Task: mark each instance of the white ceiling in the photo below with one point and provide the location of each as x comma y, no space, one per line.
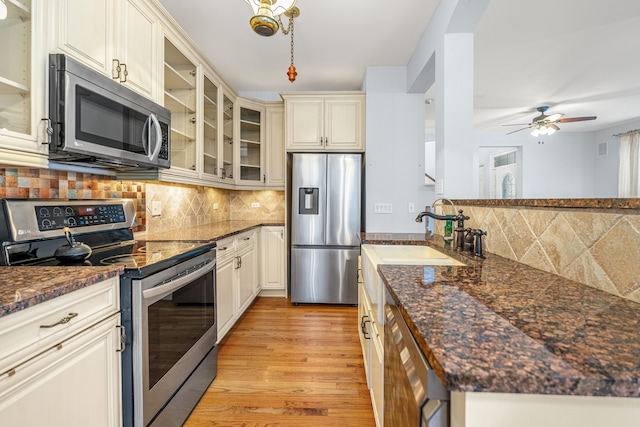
580,57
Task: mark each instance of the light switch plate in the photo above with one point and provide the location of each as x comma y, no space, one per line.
215,206
440,186
382,208
411,207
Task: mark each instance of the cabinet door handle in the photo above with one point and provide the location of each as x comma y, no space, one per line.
247,238
123,338
264,179
62,321
363,327
115,69
224,248
125,73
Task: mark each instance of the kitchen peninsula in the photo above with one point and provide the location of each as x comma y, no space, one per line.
516,345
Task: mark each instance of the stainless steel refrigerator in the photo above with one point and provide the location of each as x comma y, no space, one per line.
325,228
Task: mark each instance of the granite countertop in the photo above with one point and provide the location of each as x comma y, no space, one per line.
496,325
208,232
24,287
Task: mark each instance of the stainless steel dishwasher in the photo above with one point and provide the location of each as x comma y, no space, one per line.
413,394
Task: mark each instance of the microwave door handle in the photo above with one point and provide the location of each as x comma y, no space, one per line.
145,136
156,125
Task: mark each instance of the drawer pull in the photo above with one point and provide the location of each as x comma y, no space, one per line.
247,238
62,321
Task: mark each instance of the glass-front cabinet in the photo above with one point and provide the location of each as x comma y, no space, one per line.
227,171
21,104
180,97
251,136
210,124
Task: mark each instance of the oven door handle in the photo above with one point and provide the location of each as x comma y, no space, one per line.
168,287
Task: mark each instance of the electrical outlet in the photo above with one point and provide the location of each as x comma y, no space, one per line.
255,205
156,208
439,186
412,207
215,206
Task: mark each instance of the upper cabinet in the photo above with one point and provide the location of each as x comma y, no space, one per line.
210,156
228,144
116,37
181,98
250,143
324,121
275,153
22,85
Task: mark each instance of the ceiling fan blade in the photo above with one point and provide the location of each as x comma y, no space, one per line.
577,119
518,124
553,118
518,130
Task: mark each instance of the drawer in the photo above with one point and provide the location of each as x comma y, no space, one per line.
225,249
23,336
245,240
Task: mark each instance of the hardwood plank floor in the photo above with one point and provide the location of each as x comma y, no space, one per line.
283,365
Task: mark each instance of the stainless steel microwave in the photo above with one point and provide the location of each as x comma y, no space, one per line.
98,122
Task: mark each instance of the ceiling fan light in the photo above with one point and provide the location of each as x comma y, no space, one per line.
3,10
543,130
535,132
552,128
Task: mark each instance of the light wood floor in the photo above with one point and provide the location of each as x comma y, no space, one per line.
283,365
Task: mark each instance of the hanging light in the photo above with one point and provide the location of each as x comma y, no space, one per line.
266,22
263,21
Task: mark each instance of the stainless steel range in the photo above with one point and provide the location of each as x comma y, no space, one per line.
167,296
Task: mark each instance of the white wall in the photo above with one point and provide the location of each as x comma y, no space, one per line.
607,165
394,171
557,166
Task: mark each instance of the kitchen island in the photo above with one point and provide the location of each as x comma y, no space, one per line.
24,287
512,342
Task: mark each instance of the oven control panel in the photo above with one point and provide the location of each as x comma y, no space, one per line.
73,216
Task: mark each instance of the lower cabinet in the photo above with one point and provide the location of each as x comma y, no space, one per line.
273,261
371,333
236,278
70,373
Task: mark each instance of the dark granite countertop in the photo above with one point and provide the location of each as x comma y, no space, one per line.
208,232
496,325
24,287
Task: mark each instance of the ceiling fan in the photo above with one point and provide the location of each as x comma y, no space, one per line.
547,124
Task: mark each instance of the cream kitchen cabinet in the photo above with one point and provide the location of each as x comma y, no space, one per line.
272,261
251,143
329,121
23,84
371,330
260,145
236,278
116,37
60,361
275,153
181,98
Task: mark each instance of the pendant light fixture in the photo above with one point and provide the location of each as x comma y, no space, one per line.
266,22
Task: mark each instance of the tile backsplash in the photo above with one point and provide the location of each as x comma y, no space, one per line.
27,183
181,205
596,247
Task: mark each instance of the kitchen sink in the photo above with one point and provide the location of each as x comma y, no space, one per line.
410,254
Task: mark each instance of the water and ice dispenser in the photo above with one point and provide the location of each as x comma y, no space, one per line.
308,201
